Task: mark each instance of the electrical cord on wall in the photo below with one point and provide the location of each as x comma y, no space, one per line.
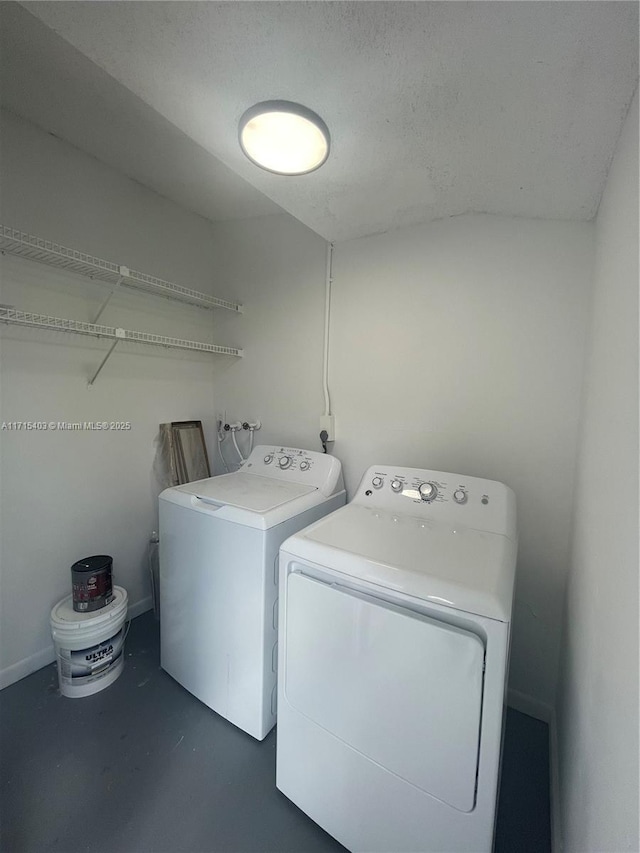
327,421
327,316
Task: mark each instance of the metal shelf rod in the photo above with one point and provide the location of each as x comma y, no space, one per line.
108,299
103,362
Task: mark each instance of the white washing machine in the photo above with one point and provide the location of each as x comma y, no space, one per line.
395,616
219,541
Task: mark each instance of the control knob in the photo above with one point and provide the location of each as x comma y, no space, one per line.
284,461
396,485
377,482
460,496
304,466
268,459
428,491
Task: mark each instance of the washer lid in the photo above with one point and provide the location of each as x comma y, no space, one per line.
251,492
457,567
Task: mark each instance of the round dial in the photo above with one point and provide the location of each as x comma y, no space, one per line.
460,496
396,485
428,491
304,466
268,459
284,461
377,482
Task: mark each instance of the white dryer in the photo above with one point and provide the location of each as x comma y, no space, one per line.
395,616
219,541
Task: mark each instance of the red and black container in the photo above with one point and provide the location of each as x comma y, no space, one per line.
91,582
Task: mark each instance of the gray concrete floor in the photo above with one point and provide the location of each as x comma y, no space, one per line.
144,766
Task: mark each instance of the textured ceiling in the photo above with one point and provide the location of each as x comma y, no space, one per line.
46,80
435,108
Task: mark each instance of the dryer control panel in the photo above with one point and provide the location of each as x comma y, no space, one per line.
320,470
470,501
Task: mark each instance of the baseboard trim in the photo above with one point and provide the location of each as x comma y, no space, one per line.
140,607
554,786
529,705
17,671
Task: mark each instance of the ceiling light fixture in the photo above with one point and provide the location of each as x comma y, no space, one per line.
284,138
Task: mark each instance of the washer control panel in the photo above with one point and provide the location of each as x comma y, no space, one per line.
474,502
282,458
320,470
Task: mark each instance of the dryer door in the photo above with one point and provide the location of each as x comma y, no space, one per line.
401,688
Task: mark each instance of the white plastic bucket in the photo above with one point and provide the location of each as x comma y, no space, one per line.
89,646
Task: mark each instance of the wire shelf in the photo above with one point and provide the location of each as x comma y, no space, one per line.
59,324
46,252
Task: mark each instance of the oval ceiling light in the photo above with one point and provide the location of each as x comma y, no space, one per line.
284,138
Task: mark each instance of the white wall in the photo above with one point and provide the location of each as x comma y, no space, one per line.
598,686
276,265
68,495
456,346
